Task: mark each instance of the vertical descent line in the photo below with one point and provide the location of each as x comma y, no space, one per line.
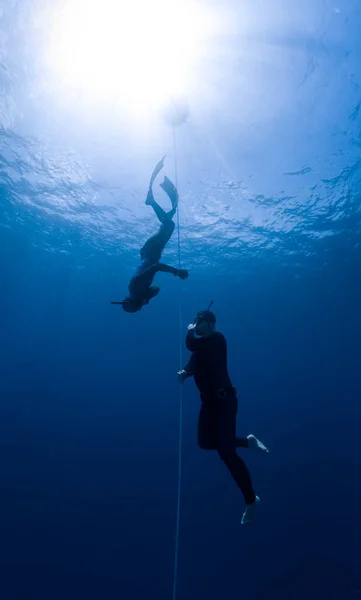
180,439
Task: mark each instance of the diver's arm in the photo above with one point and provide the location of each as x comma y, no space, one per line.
161,267
189,368
144,280
151,271
192,342
187,371
166,269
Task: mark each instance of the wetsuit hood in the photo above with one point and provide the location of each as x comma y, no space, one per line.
206,315
130,306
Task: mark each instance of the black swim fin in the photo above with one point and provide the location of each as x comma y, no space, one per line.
150,198
170,190
158,167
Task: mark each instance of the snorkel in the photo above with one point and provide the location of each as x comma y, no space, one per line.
205,315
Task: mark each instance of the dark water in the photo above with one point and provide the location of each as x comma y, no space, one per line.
270,177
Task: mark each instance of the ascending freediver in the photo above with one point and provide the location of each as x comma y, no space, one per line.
217,417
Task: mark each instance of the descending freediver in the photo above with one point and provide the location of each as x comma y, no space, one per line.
217,417
140,286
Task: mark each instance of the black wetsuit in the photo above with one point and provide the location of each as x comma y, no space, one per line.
217,417
150,255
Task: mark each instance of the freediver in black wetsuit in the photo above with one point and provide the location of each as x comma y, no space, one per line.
141,290
217,417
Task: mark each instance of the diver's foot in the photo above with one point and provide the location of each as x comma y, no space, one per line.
170,190
255,444
150,197
250,513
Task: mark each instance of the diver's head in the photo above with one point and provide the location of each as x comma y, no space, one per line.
130,306
205,323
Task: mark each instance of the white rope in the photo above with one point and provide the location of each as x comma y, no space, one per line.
180,440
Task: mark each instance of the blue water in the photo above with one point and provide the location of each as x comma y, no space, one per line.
269,175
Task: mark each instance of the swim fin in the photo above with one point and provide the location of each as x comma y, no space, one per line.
158,167
150,198
170,190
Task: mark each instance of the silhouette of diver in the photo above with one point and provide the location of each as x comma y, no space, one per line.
140,286
217,416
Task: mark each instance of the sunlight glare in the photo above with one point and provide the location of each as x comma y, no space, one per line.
135,52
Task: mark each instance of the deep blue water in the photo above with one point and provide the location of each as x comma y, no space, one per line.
269,175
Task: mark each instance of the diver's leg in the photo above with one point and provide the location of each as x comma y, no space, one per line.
239,472
207,427
241,443
172,194
227,448
171,213
153,248
161,214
